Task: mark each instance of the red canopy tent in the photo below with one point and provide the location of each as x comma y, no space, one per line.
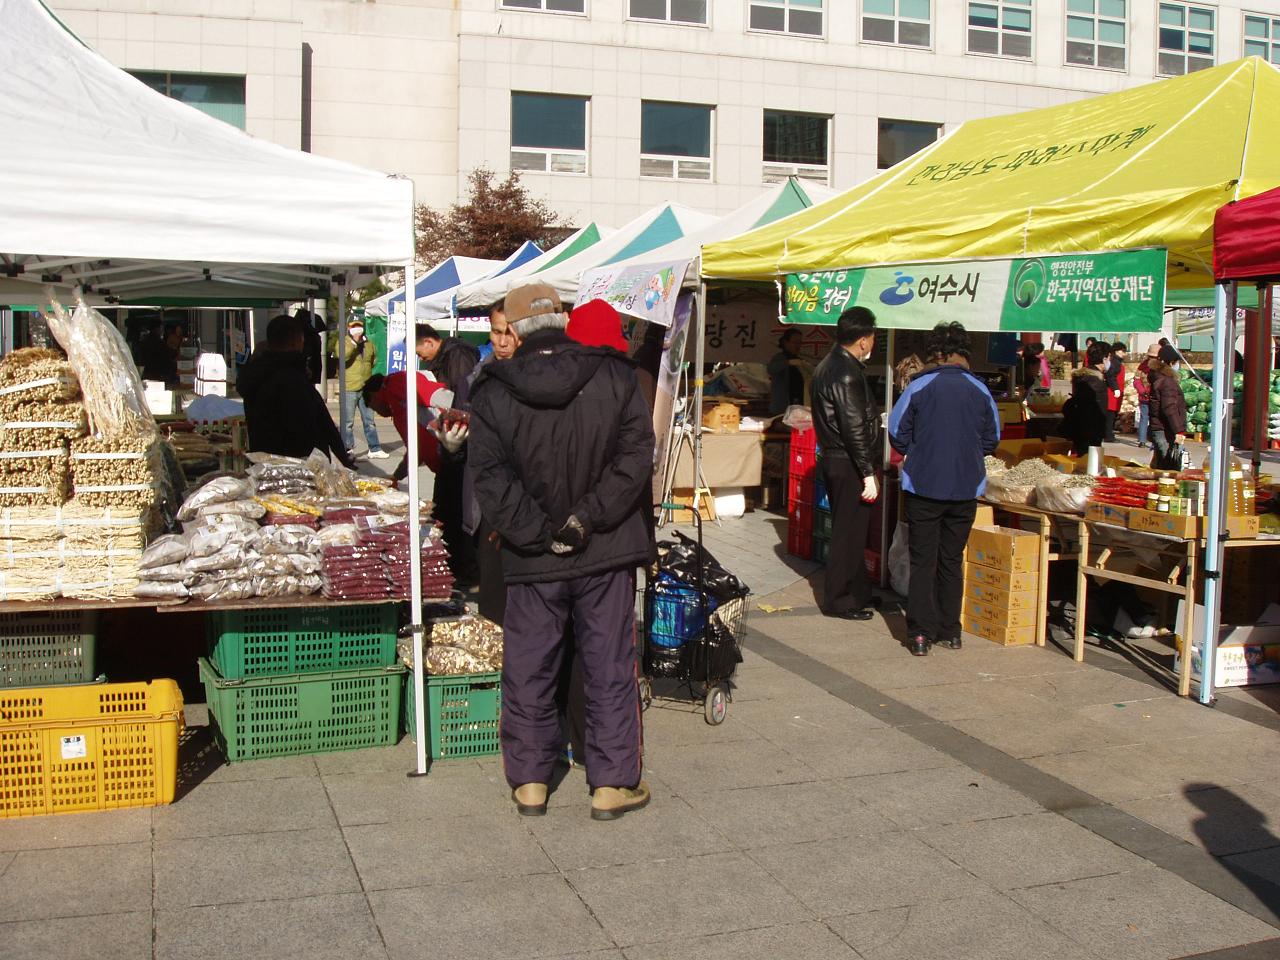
1246,238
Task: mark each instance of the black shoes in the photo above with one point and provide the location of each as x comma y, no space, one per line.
951,644
866,613
918,645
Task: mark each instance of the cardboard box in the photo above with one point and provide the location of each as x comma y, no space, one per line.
1000,598
1000,616
985,516
1108,513
1166,524
1013,550
1064,463
1243,528
724,417
706,506
1000,579
1010,411
1015,451
997,633
1247,656
1056,446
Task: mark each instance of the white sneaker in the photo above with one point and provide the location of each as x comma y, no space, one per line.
379,455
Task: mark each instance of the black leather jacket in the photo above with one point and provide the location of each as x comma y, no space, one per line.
845,413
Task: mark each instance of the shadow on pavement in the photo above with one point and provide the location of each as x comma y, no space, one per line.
1230,824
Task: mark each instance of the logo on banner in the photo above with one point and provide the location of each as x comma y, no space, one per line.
1028,283
900,292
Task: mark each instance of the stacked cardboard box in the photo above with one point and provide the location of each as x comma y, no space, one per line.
1001,585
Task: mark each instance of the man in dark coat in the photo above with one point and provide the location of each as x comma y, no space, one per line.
561,447
847,421
284,413
451,361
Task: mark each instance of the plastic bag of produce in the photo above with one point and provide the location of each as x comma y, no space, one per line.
240,508
155,590
286,538
206,541
900,560
1001,490
1069,497
164,551
217,490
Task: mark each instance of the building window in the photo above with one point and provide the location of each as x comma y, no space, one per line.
796,145
899,139
219,96
548,133
675,140
1097,33
787,16
905,22
1000,27
1262,38
669,11
552,6
1187,39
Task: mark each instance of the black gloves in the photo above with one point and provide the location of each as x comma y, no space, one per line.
570,538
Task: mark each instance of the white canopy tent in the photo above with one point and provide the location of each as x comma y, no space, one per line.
119,189
127,194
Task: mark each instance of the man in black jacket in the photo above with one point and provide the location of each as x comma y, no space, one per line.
847,420
561,447
283,411
451,361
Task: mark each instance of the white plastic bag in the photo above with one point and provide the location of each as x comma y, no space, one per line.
217,490
798,417
164,551
900,560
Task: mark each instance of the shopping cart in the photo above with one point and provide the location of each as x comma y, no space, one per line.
693,637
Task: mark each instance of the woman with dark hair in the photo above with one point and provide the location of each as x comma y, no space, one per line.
1035,369
1084,415
1168,410
786,373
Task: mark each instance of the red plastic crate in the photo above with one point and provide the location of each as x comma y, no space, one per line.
804,452
799,490
800,530
1013,431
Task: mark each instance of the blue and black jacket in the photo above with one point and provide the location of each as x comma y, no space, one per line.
944,424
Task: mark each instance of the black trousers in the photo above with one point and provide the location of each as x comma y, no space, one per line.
846,584
937,531
448,512
1111,426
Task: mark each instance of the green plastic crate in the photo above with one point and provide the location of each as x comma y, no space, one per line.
303,713
462,714
820,545
44,649
269,642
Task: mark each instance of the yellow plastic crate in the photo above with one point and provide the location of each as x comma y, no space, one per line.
88,747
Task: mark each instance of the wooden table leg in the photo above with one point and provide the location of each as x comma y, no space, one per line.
1188,623
1082,590
1042,623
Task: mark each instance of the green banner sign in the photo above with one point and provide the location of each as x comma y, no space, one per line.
1121,290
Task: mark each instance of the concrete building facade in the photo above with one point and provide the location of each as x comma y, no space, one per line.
608,107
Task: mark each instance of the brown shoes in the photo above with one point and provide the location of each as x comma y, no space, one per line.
531,799
609,803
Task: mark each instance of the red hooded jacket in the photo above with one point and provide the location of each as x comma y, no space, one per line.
393,394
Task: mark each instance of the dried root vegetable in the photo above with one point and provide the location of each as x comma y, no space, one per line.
40,426
112,389
34,374
116,472
18,493
19,468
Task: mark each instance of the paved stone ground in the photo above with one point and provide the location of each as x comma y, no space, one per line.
985,804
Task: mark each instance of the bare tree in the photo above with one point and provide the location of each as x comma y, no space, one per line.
495,218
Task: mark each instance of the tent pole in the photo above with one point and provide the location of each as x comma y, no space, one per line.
415,532
699,353
341,310
1224,302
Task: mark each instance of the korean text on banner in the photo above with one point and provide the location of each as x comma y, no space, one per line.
646,290
397,337
1096,291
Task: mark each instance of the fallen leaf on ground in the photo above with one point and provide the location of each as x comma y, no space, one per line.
770,608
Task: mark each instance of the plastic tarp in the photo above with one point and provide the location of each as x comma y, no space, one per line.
445,275
104,177
1146,167
1247,238
441,305
479,294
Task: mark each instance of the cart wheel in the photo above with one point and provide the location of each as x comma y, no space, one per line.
715,705
646,693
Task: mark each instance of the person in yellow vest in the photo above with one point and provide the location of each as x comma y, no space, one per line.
359,360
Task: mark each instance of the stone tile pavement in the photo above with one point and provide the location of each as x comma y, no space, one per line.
857,803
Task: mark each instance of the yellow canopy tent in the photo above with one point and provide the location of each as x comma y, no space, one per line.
1146,167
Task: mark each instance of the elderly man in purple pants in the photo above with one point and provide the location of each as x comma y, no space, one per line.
561,448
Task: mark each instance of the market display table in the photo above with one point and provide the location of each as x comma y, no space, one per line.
1184,559
728,460
188,606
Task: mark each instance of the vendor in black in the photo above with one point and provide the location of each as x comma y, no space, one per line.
451,361
160,355
284,413
847,421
